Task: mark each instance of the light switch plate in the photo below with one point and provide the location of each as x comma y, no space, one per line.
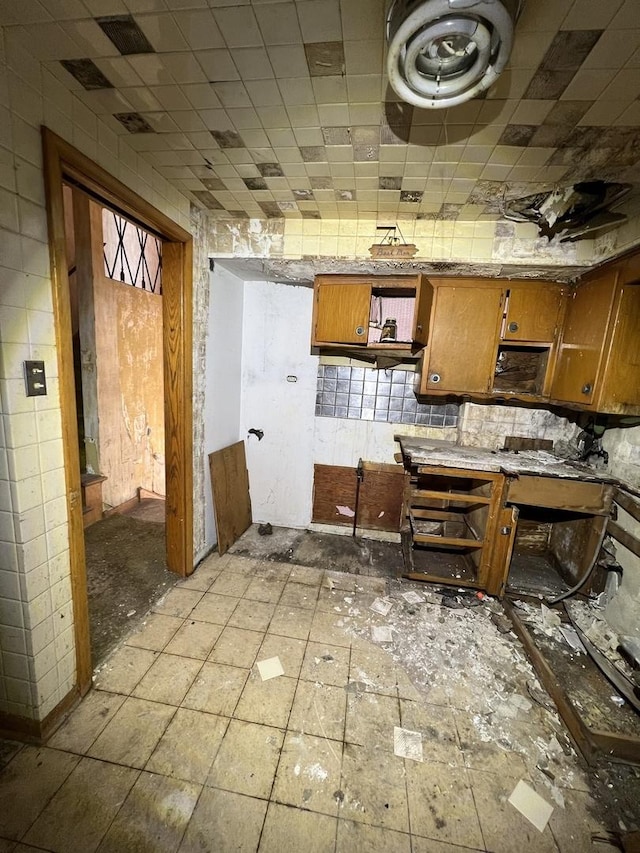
35,379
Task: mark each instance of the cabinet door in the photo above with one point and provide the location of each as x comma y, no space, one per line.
583,339
532,311
424,301
619,391
461,354
342,313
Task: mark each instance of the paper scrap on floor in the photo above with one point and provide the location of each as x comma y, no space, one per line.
536,810
270,668
381,634
381,606
412,597
407,744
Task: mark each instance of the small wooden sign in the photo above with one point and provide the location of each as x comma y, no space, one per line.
393,250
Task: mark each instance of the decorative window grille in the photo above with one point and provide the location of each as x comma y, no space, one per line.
131,255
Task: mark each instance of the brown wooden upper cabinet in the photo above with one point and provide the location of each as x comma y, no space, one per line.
351,311
598,364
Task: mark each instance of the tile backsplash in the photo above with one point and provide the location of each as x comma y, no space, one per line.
362,393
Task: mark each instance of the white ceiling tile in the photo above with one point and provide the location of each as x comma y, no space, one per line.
296,92
591,14
217,65
588,84
329,90
364,57
201,96
171,97
362,19
334,115
200,139
141,99
188,121
320,20
184,67
150,68
46,41
304,116
238,26
272,116
216,119
278,23
106,101
89,38
252,63
19,12
232,94
288,60
65,10
118,71
264,93
162,31
138,6
364,88
244,118
199,29
255,138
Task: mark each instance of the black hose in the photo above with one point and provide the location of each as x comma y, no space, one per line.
574,589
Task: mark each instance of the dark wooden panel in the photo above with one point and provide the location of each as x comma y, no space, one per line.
554,492
333,486
341,309
379,502
519,442
230,489
534,307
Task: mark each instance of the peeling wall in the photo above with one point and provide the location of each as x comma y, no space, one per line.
488,426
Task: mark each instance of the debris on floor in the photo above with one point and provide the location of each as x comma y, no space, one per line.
407,744
536,810
270,668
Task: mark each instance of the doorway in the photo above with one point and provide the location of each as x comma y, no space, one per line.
65,165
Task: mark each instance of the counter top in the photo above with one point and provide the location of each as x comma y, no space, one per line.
421,451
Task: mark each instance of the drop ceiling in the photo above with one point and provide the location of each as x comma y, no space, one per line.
275,108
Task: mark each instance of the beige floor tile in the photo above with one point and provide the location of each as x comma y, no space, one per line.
438,729
485,749
319,709
329,599
306,574
28,783
371,719
290,651
153,817
252,615
326,664
340,580
216,689
133,733
378,586
501,822
237,647
266,702
245,566
373,788
247,760
329,628
273,571
230,584
7,846
572,826
80,813
264,589
224,821
299,595
155,632
291,622
288,829
123,670
309,773
178,602
201,579
374,668
189,745
168,679
354,836
214,608
194,639
8,750
408,690
441,804
86,722
428,845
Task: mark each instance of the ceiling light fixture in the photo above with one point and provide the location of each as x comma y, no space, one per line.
444,52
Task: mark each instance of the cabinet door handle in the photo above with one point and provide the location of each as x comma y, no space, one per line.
586,389
359,330
513,327
435,378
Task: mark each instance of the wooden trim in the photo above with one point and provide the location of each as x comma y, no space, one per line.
62,162
37,731
624,537
122,508
628,503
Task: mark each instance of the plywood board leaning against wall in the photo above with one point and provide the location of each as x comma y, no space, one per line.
230,488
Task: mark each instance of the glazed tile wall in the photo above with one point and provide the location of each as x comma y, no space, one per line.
37,654
366,394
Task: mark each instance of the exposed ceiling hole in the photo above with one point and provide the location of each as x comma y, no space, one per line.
125,34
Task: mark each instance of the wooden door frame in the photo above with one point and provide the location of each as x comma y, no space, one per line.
64,163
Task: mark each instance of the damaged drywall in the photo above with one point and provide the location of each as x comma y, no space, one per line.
488,426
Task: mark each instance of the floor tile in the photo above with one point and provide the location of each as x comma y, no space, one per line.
328,628
188,746
441,804
80,813
214,608
123,670
7,846
28,783
309,773
371,719
373,787
153,817
326,664
216,689
437,727
168,679
299,595
354,836
339,580
201,579
481,748
225,821
319,709
266,702
374,668
194,639
253,615
178,602
273,571
291,622
8,750
378,586
86,721
133,733
290,651
245,566
329,599
573,826
155,632
501,822
291,829
247,760
264,589
306,574
428,845
230,584
237,647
